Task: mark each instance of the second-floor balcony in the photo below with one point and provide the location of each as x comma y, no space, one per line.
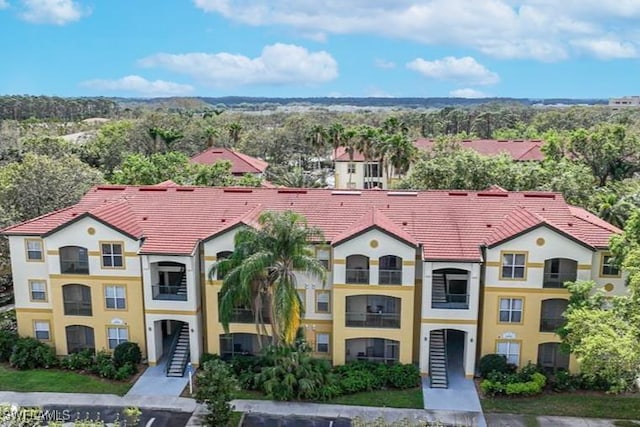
551,324
76,300
357,276
74,260
170,292
557,271
169,281
390,277
450,290
373,311
551,314
246,315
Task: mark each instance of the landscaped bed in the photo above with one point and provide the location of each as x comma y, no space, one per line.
570,404
58,381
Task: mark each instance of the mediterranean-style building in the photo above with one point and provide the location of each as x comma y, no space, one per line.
418,277
353,172
241,164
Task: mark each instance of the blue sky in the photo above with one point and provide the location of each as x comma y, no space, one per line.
423,48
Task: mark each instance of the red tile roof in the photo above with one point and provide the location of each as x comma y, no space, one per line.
520,150
449,225
240,163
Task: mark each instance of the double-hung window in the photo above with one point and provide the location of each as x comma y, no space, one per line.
510,350
322,343
38,290
34,250
115,298
323,302
609,268
42,330
117,336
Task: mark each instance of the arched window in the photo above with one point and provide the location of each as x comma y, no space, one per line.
74,260
219,257
551,314
390,272
80,337
77,300
559,270
551,356
357,269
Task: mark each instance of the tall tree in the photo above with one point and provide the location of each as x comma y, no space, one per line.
262,269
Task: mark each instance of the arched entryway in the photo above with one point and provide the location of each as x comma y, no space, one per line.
172,346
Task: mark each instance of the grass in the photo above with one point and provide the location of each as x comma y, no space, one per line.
57,381
410,398
591,405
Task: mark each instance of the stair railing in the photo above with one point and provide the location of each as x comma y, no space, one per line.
172,350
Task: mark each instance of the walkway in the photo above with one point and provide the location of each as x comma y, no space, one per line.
154,382
461,394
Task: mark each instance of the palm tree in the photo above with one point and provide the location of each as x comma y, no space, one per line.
336,135
398,152
262,270
316,137
368,144
211,133
350,147
234,129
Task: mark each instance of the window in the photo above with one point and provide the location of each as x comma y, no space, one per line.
38,290
513,265
510,310
41,329
509,349
351,168
609,268
322,343
322,302
323,256
77,300
117,336
115,297
34,250
112,255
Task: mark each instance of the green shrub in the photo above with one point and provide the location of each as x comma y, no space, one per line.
127,353
527,382
216,385
29,353
492,388
125,371
103,365
207,357
494,363
404,376
523,389
7,341
564,381
78,361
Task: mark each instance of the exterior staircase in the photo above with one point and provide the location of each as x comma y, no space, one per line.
439,291
180,354
182,286
438,360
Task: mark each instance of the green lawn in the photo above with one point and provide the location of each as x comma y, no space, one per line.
592,405
54,380
411,398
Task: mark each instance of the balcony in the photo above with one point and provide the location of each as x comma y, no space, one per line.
373,311
74,260
551,324
77,308
169,292
559,270
450,290
556,280
245,315
372,320
372,349
452,302
357,276
390,277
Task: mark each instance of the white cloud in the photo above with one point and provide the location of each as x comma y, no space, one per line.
607,49
537,29
461,70
278,64
467,93
58,12
139,85
384,64
4,4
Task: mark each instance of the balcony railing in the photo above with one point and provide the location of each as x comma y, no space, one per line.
378,359
74,267
357,276
556,280
550,324
245,315
390,277
372,320
77,308
454,302
169,292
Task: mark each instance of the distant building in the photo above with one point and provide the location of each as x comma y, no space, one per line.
241,164
357,174
625,101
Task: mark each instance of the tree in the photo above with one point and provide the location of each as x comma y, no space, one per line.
611,151
41,184
109,147
234,130
336,135
262,271
398,152
216,386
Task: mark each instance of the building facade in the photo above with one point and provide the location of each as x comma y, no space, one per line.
410,274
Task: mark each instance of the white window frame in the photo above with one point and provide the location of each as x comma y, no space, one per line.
39,249
111,294
116,336
318,343
37,328
33,291
510,309
111,255
512,356
513,265
318,302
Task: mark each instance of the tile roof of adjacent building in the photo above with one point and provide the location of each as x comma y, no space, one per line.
449,225
520,150
240,163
